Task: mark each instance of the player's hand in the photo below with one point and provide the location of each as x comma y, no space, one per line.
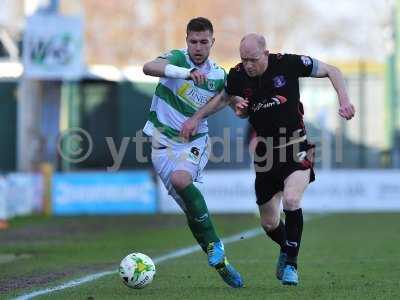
189,128
241,107
347,110
198,77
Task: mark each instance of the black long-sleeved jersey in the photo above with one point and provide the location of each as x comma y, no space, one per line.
274,108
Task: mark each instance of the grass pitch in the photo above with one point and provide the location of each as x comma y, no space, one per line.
343,256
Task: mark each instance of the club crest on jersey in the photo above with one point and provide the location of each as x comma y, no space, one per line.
211,85
306,60
279,81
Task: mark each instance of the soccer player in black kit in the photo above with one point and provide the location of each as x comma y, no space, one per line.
265,88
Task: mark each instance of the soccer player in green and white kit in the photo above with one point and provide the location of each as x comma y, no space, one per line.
188,80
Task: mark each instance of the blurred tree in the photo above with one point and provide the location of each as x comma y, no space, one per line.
138,30
132,31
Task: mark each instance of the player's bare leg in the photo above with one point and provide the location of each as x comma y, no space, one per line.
270,213
294,187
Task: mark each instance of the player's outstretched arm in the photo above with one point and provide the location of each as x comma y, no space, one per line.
155,67
321,69
161,67
218,102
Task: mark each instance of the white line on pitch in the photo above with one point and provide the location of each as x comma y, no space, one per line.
174,254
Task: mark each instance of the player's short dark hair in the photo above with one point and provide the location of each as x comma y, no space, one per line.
199,24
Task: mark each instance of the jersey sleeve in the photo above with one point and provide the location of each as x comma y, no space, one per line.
299,65
232,83
221,83
176,58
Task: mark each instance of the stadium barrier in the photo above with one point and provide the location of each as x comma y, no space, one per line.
333,191
20,194
225,192
354,191
79,193
3,204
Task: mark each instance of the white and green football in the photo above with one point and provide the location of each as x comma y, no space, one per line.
137,270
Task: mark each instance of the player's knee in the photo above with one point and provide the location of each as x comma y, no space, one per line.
180,180
291,201
270,223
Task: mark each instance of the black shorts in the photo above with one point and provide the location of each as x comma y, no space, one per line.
275,165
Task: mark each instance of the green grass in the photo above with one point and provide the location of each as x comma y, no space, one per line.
343,256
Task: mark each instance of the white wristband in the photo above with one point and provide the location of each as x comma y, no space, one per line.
172,71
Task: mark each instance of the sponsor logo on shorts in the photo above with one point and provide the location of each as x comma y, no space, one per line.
194,155
195,151
301,155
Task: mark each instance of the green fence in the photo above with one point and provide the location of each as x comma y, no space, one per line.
111,112
8,125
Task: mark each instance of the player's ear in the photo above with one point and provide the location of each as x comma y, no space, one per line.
266,52
212,41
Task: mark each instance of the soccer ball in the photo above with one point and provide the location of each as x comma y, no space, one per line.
137,270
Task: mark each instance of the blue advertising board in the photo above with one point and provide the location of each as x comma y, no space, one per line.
103,193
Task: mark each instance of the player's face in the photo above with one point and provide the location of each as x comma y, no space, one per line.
254,60
199,45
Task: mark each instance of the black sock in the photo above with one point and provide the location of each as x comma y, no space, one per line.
278,235
294,229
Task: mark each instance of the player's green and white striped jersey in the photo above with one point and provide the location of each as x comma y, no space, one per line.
176,100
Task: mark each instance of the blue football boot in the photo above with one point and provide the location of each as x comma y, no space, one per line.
217,259
290,276
280,265
215,253
229,274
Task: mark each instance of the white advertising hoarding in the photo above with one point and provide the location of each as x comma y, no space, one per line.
354,190
225,191
20,194
232,191
53,47
3,197
123,192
